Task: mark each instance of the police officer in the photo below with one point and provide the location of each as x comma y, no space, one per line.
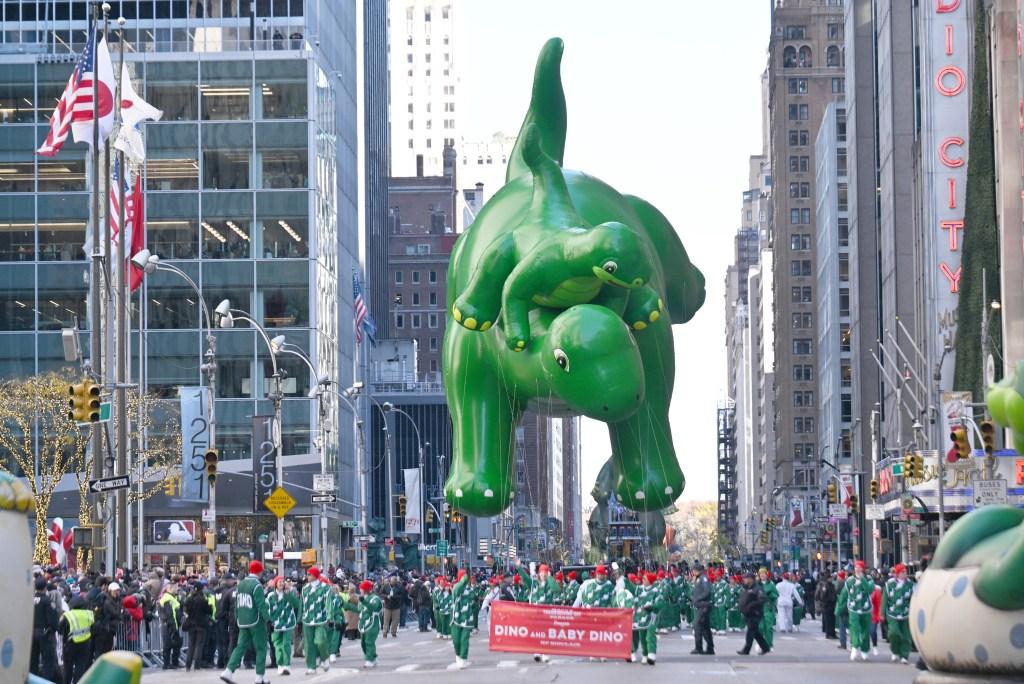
170,616
44,625
76,627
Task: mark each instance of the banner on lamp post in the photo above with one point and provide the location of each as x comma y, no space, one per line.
264,461
561,630
413,505
195,440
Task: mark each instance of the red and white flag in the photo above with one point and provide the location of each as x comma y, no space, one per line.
134,220
134,110
74,112
60,543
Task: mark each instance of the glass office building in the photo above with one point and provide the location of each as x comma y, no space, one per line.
251,180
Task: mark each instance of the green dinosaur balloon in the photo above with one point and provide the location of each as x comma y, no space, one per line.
562,296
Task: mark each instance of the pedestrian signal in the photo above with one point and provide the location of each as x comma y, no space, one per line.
84,404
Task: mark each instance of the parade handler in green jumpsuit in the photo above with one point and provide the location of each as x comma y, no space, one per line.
462,607
858,601
733,618
315,612
598,592
572,588
252,615
284,608
649,601
896,609
335,620
625,598
770,606
542,591
443,608
370,609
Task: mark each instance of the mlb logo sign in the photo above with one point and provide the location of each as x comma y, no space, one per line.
174,532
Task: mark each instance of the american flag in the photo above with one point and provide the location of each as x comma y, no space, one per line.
115,206
75,104
363,319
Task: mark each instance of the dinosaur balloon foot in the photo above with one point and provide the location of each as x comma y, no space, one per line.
650,488
477,493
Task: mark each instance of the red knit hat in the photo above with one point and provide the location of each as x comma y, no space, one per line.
255,567
842,574
559,576
314,572
860,564
543,568
366,585
661,574
601,570
573,576
633,578
461,574
899,567
517,579
651,577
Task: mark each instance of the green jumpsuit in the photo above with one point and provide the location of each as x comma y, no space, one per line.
252,615
442,610
645,618
463,604
316,605
733,618
719,605
896,609
858,602
370,609
767,628
284,608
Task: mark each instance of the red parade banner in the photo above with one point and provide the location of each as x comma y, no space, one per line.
561,630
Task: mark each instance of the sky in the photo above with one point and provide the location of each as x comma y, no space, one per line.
663,101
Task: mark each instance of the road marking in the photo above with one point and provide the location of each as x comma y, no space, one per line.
507,663
407,668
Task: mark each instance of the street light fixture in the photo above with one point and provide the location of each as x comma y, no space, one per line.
226,317
150,263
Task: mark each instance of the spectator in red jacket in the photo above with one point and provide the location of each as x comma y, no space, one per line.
876,616
130,627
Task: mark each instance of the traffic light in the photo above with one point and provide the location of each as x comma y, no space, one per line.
854,504
908,464
211,458
833,494
84,403
171,485
918,469
959,436
430,515
874,489
764,537
401,505
988,436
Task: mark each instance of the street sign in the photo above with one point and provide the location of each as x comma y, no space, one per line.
209,515
109,484
874,512
366,538
364,545
350,523
897,470
907,502
837,510
323,498
280,502
323,482
263,538
988,492
104,415
442,547
434,530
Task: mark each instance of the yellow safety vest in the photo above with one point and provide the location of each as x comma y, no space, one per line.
212,600
80,621
172,599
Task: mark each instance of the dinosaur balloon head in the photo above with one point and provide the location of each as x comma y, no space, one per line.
621,255
592,363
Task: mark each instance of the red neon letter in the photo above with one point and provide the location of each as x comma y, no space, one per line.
949,39
952,193
958,88
952,227
946,6
944,152
952,276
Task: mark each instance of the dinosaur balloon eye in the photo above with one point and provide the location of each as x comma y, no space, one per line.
610,266
562,360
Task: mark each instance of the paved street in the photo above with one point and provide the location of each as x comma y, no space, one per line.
798,658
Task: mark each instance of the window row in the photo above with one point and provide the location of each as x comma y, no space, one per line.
803,451
802,294
802,346
799,164
414,276
800,267
803,59
803,399
803,425
800,190
799,217
799,138
63,10
799,112
803,373
804,320
800,242
399,299
416,320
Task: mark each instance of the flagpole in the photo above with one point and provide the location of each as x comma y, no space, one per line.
95,335
121,339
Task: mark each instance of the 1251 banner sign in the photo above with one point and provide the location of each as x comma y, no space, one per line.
561,630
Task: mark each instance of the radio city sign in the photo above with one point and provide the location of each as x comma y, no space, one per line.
949,122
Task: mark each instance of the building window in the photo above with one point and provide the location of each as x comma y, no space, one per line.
794,217
399,320
789,57
845,374
844,267
800,267
832,56
416,320
804,60
433,344
797,86
803,373
800,242
801,294
803,425
415,277
432,320
844,338
805,188
844,301
838,85
799,164
398,277
795,32
799,138
841,125
415,298
843,201
802,346
432,277
844,232
802,320
433,299
846,408
805,216
834,31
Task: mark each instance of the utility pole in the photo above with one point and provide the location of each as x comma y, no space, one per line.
121,338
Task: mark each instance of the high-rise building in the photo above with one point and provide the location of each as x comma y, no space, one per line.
424,79
250,190
805,74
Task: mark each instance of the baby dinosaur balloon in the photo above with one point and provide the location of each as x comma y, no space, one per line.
562,295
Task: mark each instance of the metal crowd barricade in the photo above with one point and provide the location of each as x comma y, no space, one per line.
144,637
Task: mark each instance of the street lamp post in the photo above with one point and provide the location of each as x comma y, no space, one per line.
227,317
150,263
346,395
388,407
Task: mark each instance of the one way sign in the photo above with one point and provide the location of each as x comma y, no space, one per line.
109,484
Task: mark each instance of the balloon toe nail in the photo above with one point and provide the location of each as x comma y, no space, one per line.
489,493
668,490
639,495
458,493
